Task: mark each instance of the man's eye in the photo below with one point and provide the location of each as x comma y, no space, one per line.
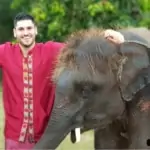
20,29
29,28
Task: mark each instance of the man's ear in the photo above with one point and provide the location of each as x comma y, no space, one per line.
14,32
36,30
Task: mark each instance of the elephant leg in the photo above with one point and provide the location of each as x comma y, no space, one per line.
139,122
111,137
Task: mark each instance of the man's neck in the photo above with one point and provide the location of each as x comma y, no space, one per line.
25,50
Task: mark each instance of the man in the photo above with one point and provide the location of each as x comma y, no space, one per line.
28,93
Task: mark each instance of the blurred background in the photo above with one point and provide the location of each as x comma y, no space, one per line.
58,18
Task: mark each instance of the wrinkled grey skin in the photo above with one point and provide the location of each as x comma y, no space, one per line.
135,132
114,134
142,32
100,100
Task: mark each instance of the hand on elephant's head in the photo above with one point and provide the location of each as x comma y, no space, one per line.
114,36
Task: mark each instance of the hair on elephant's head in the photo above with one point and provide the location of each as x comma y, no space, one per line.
93,71
93,78
91,60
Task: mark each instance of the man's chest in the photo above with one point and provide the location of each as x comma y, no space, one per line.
39,66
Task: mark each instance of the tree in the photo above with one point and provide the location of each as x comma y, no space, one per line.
56,18
6,24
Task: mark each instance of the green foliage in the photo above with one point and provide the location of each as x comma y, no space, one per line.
58,18
5,20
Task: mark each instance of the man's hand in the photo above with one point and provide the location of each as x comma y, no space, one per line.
114,36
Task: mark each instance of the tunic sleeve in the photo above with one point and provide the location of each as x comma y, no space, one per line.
53,48
2,48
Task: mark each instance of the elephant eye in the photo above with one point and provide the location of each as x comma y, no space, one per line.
95,88
86,89
90,89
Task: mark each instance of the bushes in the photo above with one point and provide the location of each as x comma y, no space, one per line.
58,18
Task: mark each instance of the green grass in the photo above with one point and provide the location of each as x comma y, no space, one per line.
86,139
85,144
1,124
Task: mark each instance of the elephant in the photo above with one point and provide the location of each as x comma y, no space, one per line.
143,33
100,134
103,86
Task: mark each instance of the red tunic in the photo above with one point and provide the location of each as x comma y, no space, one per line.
12,64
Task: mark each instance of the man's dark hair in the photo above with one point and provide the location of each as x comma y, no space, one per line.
23,16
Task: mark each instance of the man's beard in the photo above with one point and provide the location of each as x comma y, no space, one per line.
27,45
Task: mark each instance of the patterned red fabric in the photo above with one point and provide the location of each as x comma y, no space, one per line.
15,145
28,92
27,126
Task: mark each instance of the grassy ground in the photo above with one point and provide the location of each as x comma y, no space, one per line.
85,144
1,123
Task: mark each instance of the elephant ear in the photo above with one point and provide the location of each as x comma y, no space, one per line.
134,71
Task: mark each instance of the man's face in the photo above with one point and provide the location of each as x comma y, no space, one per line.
25,32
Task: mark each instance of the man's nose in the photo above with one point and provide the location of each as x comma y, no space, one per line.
26,32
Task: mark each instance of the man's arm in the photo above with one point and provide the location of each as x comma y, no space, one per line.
133,34
2,49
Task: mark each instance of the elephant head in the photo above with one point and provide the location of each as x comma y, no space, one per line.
93,78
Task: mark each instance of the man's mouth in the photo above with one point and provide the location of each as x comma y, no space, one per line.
26,38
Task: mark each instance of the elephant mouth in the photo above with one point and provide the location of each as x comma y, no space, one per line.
75,133
93,124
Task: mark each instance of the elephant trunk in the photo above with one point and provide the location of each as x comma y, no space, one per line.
58,127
